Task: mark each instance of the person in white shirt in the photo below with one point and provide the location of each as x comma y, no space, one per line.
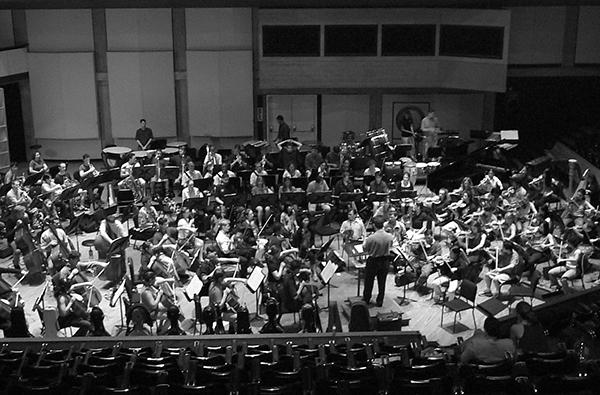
292,172
138,186
372,169
429,128
110,230
212,158
190,173
224,241
147,216
353,227
489,182
186,235
218,178
190,191
259,171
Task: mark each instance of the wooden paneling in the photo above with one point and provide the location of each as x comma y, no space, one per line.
60,30
139,29
6,29
588,33
329,73
536,35
219,28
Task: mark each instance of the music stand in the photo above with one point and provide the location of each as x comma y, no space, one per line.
117,296
270,180
118,245
319,197
196,203
300,182
264,199
158,144
347,197
170,172
204,184
69,193
253,284
378,197
33,179
235,182
326,275
146,172
407,194
297,198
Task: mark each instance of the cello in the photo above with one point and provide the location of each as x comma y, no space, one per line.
34,258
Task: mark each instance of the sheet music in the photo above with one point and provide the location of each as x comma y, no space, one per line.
359,249
193,288
256,278
328,271
115,298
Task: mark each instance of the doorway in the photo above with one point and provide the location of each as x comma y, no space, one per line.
14,122
298,111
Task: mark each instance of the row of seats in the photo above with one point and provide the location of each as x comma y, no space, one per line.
285,369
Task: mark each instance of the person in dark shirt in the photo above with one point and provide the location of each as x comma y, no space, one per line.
63,175
527,333
289,154
378,247
143,136
284,129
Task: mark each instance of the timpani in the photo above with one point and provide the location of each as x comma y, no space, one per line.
170,151
113,156
176,144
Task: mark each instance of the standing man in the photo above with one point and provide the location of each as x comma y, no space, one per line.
378,247
430,128
143,136
284,130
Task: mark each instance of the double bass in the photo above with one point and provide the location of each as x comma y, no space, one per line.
33,258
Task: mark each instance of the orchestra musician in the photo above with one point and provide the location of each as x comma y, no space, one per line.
110,230
190,191
57,245
239,159
212,158
86,171
318,185
288,220
71,309
218,178
136,185
353,229
186,235
260,188
291,171
507,262
289,153
489,182
569,267
11,175
147,215
17,196
287,186
190,174
37,164
258,172
430,128
160,162
445,271
228,247
424,251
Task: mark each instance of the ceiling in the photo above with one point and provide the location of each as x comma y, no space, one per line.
25,4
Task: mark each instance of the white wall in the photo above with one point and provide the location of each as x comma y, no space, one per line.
588,34
141,85
461,112
219,71
63,95
60,30
536,35
6,29
340,113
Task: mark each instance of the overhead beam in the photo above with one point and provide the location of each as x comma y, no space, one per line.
44,4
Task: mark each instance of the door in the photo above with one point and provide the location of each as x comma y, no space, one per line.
298,111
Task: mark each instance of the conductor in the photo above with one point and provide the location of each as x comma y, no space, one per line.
377,247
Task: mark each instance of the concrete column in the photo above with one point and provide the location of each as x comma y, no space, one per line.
573,179
19,22
259,122
182,112
375,110
101,76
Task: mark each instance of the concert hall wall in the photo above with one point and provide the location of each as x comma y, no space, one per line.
6,29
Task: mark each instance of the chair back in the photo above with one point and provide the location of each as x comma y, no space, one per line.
468,290
359,317
535,280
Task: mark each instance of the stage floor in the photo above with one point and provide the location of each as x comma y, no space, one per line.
422,313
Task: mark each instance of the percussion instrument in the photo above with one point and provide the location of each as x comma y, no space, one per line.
170,151
114,155
433,166
421,169
393,169
411,169
176,144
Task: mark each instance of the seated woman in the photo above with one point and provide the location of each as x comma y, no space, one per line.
260,189
37,164
110,230
567,268
186,238
405,184
287,186
539,248
292,172
71,309
288,220
139,316
372,169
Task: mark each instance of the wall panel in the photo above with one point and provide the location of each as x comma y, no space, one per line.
139,29
218,28
6,29
536,35
220,93
141,86
63,96
340,113
588,33
60,30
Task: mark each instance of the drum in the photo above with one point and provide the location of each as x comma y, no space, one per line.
393,170
141,154
421,168
433,166
113,156
170,151
176,144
